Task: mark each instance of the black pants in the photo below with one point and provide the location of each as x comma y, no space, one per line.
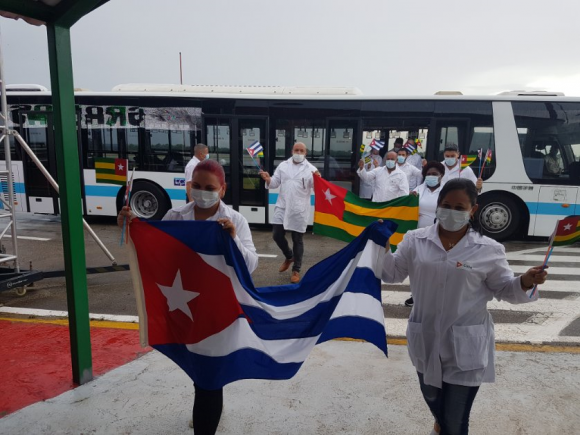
297,251
207,410
450,405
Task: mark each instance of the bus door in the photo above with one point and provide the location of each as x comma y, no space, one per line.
37,130
449,132
342,152
228,139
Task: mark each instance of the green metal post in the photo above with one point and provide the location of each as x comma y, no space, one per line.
67,157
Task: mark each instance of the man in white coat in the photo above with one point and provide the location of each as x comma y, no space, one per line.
200,152
389,182
453,168
414,175
294,177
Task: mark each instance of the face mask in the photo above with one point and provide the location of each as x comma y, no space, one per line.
450,161
452,220
204,198
431,180
401,159
298,158
207,156
390,164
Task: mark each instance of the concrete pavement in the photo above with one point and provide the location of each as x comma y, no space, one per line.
344,387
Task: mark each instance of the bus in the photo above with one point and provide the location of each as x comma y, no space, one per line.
156,127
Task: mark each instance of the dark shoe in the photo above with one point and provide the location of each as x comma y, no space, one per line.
287,263
409,302
295,277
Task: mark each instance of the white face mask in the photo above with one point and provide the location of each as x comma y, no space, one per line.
205,198
390,164
452,220
298,158
431,180
450,161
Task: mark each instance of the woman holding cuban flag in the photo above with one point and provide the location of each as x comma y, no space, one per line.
454,271
208,187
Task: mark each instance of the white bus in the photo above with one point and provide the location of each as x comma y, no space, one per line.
156,126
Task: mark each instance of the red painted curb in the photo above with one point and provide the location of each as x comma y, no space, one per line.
35,362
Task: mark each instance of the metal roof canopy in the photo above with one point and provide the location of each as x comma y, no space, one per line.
59,16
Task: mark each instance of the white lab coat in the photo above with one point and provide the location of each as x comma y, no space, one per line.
243,237
414,175
386,186
415,160
427,204
450,332
293,205
190,167
457,172
366,189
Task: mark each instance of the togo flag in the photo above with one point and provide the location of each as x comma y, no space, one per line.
111,170
341,214
198,306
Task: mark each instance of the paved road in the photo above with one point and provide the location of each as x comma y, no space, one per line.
553,319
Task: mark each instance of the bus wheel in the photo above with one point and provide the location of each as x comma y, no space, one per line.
499,217
148,201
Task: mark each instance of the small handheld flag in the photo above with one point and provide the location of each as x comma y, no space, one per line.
377,144
467,160
255,149
567,232
111,170
411,148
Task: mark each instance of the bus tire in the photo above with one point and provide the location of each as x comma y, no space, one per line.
148,201
499,217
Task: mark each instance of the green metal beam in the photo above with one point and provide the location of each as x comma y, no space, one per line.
29,8
67,158
68,12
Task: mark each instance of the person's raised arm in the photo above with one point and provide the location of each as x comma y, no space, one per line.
396,266
243,238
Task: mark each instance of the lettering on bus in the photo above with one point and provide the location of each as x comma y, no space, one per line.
93,116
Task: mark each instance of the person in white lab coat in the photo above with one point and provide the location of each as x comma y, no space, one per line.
414,176
389,182
200,153
294,177
366,188
428,193
453,169
208,188
454,272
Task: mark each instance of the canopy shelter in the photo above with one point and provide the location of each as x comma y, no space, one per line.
59,16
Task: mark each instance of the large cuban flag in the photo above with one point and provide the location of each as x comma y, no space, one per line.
198,306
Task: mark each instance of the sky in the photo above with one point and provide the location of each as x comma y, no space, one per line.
382,47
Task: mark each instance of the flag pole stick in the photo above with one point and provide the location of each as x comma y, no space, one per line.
128,188
480,158
483,166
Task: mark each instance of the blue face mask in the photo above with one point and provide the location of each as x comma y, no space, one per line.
450,161
390,164
431,180
401,159
207,156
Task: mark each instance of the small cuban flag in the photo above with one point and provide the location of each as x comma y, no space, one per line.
377,144
255,149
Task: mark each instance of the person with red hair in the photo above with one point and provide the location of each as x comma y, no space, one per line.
208,187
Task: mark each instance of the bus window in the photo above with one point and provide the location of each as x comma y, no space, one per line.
550,141
341,165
